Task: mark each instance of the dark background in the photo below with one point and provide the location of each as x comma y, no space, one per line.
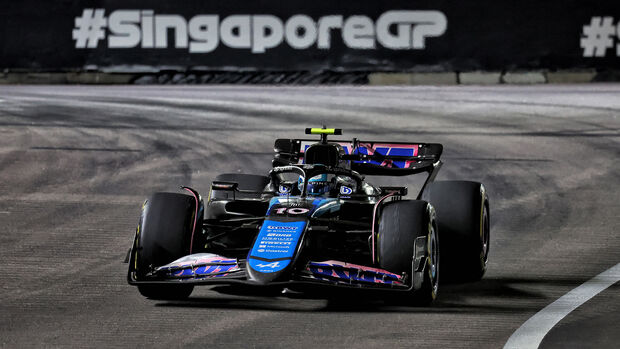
481,35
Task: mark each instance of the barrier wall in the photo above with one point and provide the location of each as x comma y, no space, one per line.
293,35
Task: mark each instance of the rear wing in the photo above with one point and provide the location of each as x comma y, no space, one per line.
367,157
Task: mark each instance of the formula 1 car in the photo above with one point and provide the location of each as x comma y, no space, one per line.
314,222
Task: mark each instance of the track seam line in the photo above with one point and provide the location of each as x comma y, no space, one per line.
532,332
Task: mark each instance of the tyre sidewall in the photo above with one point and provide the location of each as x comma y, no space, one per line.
401,222
165,230
461,207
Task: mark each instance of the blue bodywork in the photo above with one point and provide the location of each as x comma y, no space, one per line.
278,239
275,245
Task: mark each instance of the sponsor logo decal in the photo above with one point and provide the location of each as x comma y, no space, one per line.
376,148
200,265
268,265
347,272
284,227
275,240
345,190
284,189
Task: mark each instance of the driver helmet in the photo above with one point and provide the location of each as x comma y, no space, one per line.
317,185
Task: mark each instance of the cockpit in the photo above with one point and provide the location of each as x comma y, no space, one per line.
319,181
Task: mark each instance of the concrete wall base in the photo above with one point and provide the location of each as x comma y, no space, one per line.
480,78
529,77
371,78
66,78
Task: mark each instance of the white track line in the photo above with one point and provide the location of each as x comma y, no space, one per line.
532,332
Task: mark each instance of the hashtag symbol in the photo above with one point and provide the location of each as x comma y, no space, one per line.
89,28
598,36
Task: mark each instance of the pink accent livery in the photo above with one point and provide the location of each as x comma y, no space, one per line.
370,147
200,265
191,242
352,273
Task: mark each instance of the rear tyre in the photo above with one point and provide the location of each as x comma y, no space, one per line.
164,235
463,217
401,222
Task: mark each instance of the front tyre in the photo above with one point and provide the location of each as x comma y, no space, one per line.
163,236
400,224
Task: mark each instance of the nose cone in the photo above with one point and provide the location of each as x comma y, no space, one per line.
274,249
299,208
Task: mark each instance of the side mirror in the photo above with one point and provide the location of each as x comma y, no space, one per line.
398,191
228,186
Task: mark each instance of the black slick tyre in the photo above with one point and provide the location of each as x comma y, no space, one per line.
164,235
463,216
400,223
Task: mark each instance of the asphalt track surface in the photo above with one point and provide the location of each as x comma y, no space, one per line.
76,163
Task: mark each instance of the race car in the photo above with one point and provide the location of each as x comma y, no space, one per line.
315,223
